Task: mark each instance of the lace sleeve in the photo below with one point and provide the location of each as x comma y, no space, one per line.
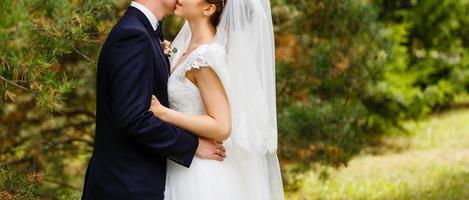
211,55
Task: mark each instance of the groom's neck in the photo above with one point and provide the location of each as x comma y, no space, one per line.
156,7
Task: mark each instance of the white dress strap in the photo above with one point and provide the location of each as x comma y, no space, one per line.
210,55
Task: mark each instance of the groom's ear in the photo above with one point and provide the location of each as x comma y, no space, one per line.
209,10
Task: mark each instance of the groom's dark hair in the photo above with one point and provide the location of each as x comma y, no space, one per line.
216,16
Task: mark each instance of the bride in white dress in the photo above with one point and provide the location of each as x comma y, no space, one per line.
222,86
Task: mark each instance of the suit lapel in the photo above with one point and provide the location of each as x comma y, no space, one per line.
136,12
161,54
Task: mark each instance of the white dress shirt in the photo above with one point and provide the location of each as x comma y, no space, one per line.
151,17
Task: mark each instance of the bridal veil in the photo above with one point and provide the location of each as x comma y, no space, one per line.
246,33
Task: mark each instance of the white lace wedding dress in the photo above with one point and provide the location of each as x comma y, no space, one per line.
243,175
205,179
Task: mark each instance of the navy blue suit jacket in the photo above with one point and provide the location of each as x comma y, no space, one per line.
131,145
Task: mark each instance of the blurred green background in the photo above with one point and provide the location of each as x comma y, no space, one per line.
372,96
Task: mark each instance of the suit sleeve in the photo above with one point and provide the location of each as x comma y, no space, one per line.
131,71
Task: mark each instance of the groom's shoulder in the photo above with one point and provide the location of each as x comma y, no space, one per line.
127,26
128,21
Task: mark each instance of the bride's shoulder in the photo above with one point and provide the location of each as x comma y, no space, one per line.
209,55
213,54
213,49
216,46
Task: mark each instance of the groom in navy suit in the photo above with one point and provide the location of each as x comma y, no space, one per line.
131,145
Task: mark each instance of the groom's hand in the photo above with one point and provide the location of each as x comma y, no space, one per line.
210,150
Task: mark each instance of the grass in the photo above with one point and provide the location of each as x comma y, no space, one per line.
430,162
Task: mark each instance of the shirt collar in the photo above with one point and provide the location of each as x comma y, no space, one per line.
151,17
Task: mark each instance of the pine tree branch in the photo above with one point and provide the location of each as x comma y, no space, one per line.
27,159
62,184
14,146
19,86
82,54
71,113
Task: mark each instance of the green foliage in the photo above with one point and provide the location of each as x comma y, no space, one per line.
329,52
48,52
40,38
346,71
429,64
15,185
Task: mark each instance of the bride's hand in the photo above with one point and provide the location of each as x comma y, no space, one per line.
156,108
166,47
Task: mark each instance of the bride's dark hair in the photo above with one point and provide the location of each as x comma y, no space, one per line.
216,16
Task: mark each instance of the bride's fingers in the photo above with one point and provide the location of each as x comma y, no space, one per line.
167,43
220,154
214,156
217,157
217,141
166,50
167,47
220,147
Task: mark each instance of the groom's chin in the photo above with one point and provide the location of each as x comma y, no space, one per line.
171,9
177,12
170,6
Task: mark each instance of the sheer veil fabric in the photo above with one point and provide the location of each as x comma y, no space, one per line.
246,34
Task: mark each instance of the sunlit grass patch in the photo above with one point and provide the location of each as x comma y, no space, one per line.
432,163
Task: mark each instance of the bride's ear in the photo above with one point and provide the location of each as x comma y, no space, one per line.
209,10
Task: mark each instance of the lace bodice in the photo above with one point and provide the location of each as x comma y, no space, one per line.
183,95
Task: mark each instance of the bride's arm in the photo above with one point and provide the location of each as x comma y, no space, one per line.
216,124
